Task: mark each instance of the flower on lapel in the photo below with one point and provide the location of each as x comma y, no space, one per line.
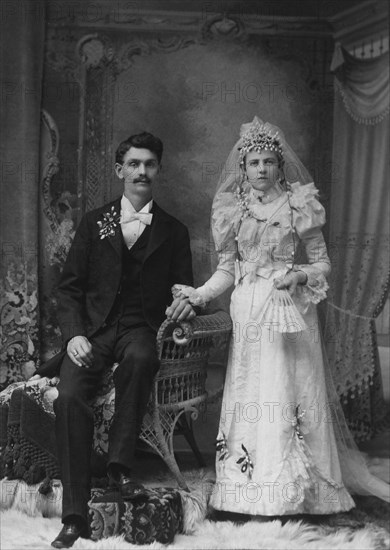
109,223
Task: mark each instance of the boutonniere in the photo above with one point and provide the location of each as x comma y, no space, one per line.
109,223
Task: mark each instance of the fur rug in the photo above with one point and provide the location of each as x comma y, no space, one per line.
21,531
31,520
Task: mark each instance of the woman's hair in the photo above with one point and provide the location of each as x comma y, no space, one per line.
279,156
140,141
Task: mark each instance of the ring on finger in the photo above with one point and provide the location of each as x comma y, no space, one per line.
75,353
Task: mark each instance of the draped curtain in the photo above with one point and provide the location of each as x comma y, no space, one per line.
359,235
23,30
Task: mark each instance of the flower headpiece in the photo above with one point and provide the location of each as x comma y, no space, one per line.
260,137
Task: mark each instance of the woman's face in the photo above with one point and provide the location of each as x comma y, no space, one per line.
262,169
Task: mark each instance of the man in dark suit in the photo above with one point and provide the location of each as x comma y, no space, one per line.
112,297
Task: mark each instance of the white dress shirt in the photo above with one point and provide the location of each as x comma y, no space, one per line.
131,231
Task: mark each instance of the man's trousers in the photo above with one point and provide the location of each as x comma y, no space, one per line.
135,351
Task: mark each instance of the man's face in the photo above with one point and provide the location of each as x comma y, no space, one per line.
139,171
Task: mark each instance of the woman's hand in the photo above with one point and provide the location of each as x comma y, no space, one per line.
290,281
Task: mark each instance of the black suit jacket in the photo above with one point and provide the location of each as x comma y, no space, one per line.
92,273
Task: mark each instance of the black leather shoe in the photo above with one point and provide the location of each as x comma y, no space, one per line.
68,535
129,490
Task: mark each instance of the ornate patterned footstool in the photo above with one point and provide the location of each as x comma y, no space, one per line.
156,517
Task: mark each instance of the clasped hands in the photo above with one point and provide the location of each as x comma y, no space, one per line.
180,309
290,281
79,348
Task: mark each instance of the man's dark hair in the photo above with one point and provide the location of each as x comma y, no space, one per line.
140,141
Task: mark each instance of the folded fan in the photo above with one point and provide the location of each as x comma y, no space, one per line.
281,313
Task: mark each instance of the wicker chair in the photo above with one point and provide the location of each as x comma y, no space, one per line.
179,387
178,392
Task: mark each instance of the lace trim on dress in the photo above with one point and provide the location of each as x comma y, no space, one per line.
313,292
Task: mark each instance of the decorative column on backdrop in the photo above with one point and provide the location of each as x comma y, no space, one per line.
23,29
359,235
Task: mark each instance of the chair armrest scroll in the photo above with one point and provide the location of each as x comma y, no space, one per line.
211,325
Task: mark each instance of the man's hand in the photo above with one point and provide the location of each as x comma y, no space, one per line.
79,350
180,310
291,281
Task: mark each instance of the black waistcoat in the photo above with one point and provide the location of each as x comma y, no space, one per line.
128,303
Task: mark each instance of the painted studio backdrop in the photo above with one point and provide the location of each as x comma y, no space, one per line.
77,86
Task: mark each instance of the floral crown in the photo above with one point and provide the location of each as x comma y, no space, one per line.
259,137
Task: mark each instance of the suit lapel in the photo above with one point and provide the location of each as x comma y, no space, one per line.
159,230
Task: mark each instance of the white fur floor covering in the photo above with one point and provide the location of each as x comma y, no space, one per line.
23,525
18,531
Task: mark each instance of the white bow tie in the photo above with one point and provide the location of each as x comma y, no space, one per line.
143,217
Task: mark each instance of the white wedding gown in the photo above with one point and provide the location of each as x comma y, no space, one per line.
277,452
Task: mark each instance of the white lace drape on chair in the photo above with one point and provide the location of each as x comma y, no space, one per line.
359,235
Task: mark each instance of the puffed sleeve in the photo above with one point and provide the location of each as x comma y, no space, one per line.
309,218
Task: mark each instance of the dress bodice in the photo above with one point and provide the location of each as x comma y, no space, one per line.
258,241
267,238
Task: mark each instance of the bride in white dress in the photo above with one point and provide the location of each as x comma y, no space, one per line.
283,446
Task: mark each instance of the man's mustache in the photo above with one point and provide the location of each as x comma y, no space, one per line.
142,180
